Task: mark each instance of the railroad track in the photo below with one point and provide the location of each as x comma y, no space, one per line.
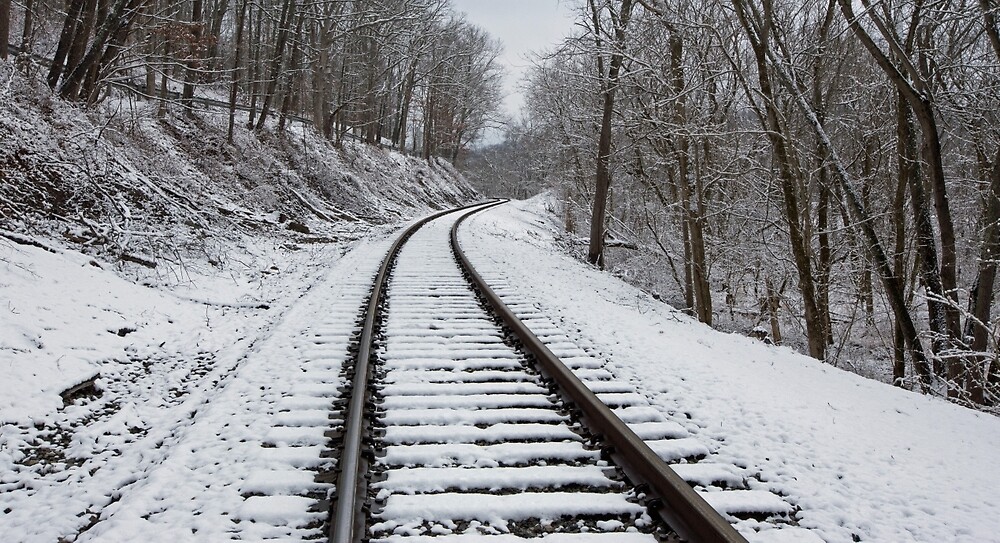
444,420
468,427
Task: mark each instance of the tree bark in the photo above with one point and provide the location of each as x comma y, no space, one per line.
977,326
215,31
693,221
161,110
194,53
26,29
824,266
399,132
150,52
320,76
773,303
429,122
924,229
904,173
4,28
610,81
287,12
66,36
235,75
84,27
990,23
293,65
103,49
255,65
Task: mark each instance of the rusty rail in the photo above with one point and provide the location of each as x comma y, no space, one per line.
676,502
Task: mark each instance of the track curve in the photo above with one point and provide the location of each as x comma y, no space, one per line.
477,431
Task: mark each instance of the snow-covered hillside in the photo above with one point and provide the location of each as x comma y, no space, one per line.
174,441
98,206
123,180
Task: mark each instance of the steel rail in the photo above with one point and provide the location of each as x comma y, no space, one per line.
347,518
676,502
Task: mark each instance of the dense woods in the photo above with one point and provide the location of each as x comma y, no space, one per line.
411,74
824,172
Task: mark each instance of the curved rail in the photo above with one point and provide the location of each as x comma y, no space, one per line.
687,513
678,504
347,516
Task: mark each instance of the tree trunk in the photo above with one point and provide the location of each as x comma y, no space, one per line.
693,221
914,91
194,53
78,47
26,29
215,31
977,326
603,178
89,90
595,254
865,291
161,110
824,267
66,37
255,66
293,66
689,301
4,28
287,12
90,81
773,304
924,231
862,221
149,71
399,133
103,50
320,92
990,23
429,123
904,172
235,75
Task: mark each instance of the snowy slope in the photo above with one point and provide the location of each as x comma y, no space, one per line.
210,410
121,182
99,205
864,461
66,314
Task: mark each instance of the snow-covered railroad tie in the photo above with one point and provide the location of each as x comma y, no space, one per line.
473,442
468,441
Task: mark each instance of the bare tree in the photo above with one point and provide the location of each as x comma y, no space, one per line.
609,65
4,27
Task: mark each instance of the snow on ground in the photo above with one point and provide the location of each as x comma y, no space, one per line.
863,460
183,366
66,313
192,416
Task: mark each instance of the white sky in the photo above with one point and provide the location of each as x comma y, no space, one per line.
523,26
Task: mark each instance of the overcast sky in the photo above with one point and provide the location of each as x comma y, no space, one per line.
523,26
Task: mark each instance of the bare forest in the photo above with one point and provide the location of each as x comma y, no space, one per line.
822,174
164,133
410,74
